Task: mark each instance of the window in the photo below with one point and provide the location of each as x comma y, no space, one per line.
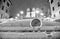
58,4
10,2
53,8
51,1
7,4
2,7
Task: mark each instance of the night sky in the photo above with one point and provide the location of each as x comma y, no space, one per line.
18,5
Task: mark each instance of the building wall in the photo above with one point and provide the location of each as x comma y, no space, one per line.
4,8
6,5
3,15
55,9
34,12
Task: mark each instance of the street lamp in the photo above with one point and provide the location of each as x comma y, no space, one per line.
37,11
41,14
18,15
21,12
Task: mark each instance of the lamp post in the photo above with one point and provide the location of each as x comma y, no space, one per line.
18,15
21,13
37,12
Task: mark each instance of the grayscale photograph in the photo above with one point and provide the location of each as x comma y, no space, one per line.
29,19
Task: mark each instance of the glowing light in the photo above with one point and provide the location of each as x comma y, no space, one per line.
16,17
37,11
11,18
28,9
18,14
41,14
33,9
21,12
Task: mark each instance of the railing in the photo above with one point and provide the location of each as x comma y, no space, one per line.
27,29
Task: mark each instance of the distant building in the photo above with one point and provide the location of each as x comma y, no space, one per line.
55,8
31,12
34,12
4,8
28,12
